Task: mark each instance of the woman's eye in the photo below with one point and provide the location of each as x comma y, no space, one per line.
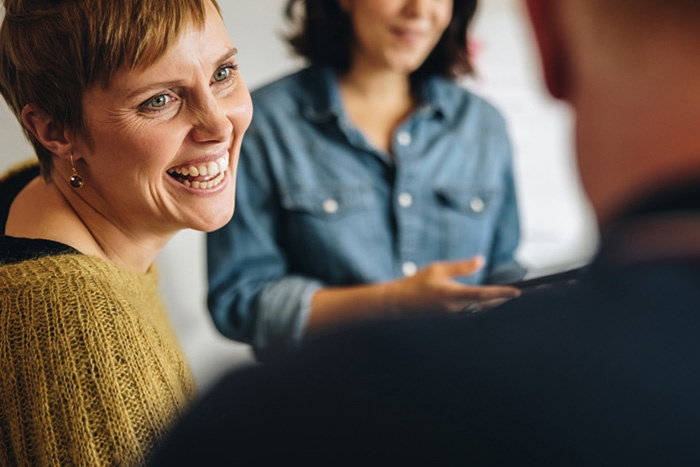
157,102
223,73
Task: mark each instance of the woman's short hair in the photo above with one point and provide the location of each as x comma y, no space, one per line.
323,34
51,51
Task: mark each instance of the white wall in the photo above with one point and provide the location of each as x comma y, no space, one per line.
557,223
557,226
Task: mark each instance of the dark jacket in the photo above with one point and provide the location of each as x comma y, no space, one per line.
602,372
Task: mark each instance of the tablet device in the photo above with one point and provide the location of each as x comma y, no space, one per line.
548,280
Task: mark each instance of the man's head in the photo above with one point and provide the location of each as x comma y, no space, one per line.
630,70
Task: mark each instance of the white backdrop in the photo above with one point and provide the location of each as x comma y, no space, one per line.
557,224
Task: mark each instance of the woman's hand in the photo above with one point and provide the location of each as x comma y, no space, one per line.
431,290
434,289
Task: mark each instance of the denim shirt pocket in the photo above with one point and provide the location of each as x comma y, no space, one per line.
327,225
469,216
327,203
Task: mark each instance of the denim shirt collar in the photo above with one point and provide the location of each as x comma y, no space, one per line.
435,99
326,103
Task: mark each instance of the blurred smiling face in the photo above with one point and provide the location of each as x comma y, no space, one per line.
397,34
164,140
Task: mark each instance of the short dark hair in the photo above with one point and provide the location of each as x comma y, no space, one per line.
323,34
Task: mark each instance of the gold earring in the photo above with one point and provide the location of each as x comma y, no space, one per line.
76,180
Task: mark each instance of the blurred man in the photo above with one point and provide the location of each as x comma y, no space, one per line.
603,372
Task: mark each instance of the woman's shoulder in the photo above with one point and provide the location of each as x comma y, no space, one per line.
64,274
458,99
81,294
290,90
464,108
70,329
299,79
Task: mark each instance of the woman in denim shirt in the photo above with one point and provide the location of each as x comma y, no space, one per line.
372,186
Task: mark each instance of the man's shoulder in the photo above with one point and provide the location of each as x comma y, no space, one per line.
569,363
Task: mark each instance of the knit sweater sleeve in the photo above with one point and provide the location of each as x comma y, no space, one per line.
90,370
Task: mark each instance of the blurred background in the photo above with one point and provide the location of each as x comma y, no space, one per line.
557,225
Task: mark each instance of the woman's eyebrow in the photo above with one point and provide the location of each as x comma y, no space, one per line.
230,53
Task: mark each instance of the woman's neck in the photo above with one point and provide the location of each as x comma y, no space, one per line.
377,101
42,210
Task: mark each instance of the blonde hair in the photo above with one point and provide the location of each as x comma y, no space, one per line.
52,50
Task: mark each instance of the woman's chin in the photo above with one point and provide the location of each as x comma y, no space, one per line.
213,220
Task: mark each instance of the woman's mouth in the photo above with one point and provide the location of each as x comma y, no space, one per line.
408,36
201,176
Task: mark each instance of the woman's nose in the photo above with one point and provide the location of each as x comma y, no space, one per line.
416,7
211,121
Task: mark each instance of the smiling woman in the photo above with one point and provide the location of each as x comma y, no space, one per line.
373,186
137,127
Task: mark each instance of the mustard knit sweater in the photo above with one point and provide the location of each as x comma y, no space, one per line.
91,372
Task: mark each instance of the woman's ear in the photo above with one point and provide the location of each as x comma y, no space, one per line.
544,18
51,134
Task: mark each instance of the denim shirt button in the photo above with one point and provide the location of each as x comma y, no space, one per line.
409,268
477,205
330,206
404,138
405,200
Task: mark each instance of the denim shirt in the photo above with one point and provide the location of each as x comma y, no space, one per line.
317,205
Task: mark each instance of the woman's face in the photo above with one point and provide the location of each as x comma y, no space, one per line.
397,34
164,140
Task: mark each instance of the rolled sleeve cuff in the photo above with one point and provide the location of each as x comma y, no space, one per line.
282,313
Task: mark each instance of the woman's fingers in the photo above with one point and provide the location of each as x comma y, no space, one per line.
492,292
479,298
476,307
461,268
457,291
435,288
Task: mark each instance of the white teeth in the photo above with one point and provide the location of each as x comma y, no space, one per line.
207,184
213,170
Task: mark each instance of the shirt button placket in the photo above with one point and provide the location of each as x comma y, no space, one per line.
408,219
